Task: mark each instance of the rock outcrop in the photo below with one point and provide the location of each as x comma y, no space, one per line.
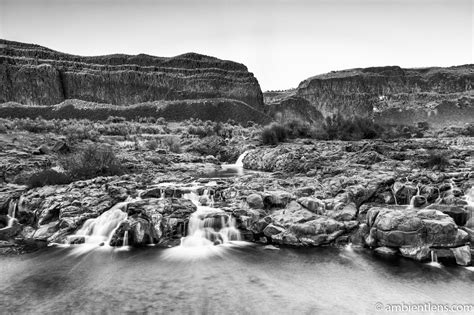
35,75
390,95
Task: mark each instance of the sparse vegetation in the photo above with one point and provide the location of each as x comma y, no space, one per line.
436,159
93,161
173,143
274,134
48,177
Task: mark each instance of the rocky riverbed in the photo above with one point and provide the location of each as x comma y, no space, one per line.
380,194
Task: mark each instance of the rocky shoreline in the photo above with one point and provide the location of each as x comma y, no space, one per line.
376,194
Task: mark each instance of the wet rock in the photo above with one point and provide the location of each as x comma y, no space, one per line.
305,191
347,213
312,204
358,237
418,201
276,199
458,214
386,251
411,227
118,193
11,227
293,213
255,201
270,247
462,255
8,193
76,239
271,230
419,253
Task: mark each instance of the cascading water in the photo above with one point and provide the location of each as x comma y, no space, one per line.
470,207
434,259
207,227
99,231
125,239
240,160
238,166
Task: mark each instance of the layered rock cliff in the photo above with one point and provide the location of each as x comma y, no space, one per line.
35,75
391,95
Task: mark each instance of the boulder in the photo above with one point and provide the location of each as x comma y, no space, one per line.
458,214
347,213
412,227
255,201
271,230
385,251
312,204
419,253
462,255
276,199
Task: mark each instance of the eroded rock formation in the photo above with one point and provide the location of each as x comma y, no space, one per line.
35,75
391,95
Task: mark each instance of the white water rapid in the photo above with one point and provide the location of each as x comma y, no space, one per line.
210,231
99,231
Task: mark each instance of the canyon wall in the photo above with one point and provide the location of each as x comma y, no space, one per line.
391,95
35,75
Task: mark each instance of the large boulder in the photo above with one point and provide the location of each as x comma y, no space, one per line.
412,227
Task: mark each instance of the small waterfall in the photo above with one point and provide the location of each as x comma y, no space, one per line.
434,259
100,230
162,194
238,166
470,207
240,160
207,227
125,239
12,207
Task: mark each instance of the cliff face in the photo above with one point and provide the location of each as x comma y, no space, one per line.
392,95
35,75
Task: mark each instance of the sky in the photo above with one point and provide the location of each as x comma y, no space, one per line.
282,42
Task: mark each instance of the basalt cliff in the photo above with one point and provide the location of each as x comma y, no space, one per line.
37,76
390,95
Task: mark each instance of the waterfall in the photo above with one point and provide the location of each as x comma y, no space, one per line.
125,239
207,227
100,230
12,206
240,160
434,259
470,207
238,166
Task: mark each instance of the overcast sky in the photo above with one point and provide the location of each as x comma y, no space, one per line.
281,41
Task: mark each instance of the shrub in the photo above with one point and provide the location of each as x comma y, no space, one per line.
298,128
273,134
173,143
436,159
92,162
151,145
339,128
48,177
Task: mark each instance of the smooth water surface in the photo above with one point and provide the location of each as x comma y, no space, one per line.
238,280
